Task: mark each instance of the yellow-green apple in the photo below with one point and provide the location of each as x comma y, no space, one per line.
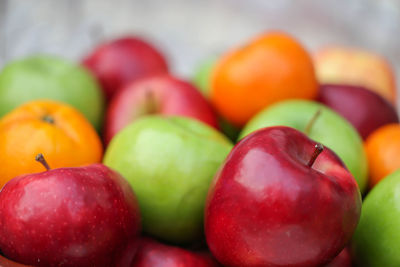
48,77
170,163
121,61
355,66
321,124
363,108
376,241
281,199
159,94
82,216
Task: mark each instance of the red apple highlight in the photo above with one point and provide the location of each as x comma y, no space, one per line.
83,216
162,94
281,200
152,253
120,61
363,108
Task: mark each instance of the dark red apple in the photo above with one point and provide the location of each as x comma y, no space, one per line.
152,253
341,260
83,216
363,108
120,61
276,202
162,94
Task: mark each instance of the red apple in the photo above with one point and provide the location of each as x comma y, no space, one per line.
341,260
275,202
4,262
83,216
120,61
152,253
162,94
363,108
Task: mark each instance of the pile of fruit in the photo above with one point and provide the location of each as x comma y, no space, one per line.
270,157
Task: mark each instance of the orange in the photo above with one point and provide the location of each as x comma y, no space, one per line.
272,67
383,152
58,131
355,66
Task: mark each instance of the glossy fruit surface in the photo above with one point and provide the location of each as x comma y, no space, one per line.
376,241
363,108
121,61
162,94
84,216
270,68
170,163
57,130
383,152
48,77
267,206
329,128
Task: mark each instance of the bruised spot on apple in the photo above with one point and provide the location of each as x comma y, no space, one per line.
77,217
162,94
279,200
152,253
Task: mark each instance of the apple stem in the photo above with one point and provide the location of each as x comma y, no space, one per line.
310,124
151,106
40,158
318,150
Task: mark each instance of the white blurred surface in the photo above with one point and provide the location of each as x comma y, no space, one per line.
189,31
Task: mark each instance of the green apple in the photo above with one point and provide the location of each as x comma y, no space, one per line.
169,163
376,241
202,80
329,128
39,77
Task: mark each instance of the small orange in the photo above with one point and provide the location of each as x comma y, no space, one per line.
58,131
383,152
272,67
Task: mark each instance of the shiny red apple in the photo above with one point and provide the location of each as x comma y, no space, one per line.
280,199
83,216
153,253
162,94
120,61
341,260
363,108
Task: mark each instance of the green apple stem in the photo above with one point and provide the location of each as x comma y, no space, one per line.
318,150
48,119
40,158
310,124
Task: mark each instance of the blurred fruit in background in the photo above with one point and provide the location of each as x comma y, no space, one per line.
48,77
383,151
376,242
321,124
170,163
270,68
55,129
363,108
355,66
162,94
120,61
152,253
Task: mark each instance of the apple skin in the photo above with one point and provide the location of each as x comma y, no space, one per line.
355,66
161,94
341,260
376,241
170,163
40,77
152,253
266,207
363,108
4,262
330,129
84,216
121,61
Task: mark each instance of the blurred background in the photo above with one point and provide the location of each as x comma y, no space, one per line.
189,31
